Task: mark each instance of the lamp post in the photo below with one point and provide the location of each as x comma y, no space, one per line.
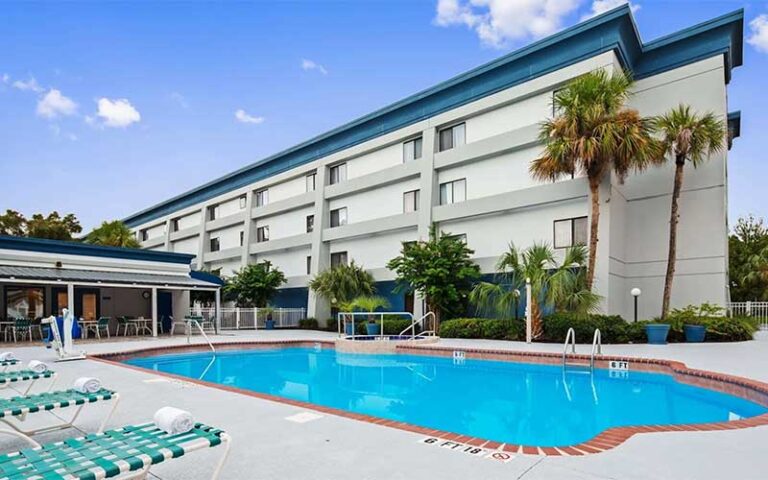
636,292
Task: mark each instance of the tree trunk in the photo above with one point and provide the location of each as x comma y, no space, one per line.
537,328
594,194
673,219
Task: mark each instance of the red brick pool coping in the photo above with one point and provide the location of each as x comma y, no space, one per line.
749,389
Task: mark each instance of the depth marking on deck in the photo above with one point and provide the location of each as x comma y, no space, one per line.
156,380
467,449
304,417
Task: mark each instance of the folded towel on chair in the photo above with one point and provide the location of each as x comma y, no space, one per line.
37,366
7,356
174,420
87,385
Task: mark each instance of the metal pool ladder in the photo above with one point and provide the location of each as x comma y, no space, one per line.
570,341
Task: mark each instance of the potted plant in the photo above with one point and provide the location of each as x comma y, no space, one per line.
657,333
269,322
370,303
695,320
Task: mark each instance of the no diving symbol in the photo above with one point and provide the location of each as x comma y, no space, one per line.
500,457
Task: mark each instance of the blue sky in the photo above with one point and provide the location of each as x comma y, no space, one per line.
107,108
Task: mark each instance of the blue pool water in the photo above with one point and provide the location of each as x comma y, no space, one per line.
507,402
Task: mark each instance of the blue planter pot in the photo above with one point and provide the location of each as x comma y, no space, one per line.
373,328
349,328
695,333
270,324
657,333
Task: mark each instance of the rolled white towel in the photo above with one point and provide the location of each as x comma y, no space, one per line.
173,420
87,385
7,357
37,366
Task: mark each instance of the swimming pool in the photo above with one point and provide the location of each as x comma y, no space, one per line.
508,402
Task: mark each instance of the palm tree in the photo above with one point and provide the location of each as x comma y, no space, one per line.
113,234
686,136
561,286
368,303
343,283
594,133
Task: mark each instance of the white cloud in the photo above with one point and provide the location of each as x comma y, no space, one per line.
6,78
602,6
759,36
117,113
308,65
179,99
53,104
498,22
244,117
30,85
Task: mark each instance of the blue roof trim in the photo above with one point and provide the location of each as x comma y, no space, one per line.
734,126
614,30
85,249
206,277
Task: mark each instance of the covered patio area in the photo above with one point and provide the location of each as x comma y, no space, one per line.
111,291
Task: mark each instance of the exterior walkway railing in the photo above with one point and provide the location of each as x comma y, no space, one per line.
246,318
758,310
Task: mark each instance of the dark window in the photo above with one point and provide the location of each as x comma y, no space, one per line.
24,302
339,217
310,223
338,173
338,258
262,197
451,137
411,201
311,182
412,150
570,231
242,237
212,212
144,235
175,225
309,264
215,244
262,234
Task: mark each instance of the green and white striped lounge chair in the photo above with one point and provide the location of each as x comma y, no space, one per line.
4,364
127,452
8,379
16,409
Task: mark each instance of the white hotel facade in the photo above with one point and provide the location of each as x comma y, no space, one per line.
458,154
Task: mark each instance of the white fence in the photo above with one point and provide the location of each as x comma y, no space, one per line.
758,310
242,318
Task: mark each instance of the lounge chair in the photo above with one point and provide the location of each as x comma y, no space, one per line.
4,364
8,379
20,407
127,452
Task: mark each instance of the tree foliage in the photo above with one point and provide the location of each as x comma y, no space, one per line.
113,234
440,270
254,285
343,283
53,226
593,134
558,285
748,260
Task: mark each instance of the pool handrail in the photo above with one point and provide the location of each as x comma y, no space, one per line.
421,321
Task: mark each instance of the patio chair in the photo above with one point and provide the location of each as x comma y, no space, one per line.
101,325
183,323
19,407
123,322
127,452
8,379
21,327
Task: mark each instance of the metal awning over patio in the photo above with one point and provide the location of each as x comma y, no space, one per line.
86,277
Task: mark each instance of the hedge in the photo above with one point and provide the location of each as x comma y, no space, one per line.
613,329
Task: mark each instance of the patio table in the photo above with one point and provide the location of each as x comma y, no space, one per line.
4,328
84,324
142,325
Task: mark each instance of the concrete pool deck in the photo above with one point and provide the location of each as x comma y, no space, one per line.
267,445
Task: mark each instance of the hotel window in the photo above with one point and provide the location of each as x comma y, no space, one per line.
453,192
262,197
411,201
339,217
175,225
24,302
242,202
262,234
570,232
144,235
310,223
412,150
338,173
215,244
338,258
309,264
213,212
242,238
461,237
451,137
311,180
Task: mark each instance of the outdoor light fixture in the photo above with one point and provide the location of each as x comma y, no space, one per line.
636,292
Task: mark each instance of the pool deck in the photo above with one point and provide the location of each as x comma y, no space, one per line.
267,445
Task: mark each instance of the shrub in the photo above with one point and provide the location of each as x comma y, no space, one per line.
724,329
488,328
393,325
613,328
309,324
